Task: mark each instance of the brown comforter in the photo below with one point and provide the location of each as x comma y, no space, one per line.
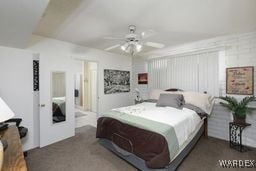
149,146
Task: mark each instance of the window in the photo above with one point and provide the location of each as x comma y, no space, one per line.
191,72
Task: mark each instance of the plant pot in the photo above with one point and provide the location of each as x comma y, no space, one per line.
237,119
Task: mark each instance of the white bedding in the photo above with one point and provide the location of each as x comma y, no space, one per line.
183,120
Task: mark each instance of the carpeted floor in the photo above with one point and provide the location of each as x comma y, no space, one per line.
83,153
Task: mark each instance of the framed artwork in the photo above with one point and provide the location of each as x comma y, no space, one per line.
143,78
116,81
240,80
36,75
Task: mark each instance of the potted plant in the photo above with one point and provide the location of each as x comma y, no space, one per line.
238,109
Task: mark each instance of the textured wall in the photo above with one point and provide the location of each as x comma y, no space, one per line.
238,50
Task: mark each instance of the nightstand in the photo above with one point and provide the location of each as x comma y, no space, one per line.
235,135
138,101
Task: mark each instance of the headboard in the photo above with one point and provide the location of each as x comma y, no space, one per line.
173,89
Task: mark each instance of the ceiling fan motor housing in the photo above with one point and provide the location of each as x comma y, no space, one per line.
131,37
132,28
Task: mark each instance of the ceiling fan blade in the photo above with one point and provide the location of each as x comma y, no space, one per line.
112,47
148,33
113,38
155,45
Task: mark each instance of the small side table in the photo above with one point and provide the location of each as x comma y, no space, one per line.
235,135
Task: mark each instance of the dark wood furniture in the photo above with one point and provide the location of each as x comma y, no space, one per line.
13,155
235,135
22,130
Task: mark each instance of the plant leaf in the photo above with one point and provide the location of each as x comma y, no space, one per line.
238,108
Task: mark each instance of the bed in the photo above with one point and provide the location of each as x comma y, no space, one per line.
150,137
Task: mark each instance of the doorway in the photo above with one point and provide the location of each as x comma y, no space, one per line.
86,93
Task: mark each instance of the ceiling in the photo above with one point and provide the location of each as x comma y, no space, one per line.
18,20
86,22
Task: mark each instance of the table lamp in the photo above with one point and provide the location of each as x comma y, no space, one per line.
5,114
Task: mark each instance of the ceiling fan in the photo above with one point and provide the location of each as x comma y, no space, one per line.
133,43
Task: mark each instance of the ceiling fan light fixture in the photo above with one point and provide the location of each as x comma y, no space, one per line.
138,47
133,43
131,47
123,47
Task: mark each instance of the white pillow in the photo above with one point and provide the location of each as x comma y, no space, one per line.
155,94
203,101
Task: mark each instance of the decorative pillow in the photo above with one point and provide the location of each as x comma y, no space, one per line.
199,111
203,101
155,93
171,100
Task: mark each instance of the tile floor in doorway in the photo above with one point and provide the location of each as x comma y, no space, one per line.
83,118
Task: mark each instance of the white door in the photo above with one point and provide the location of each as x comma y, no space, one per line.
56,99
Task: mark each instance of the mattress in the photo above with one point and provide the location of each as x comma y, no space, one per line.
183,120
190,138
141,136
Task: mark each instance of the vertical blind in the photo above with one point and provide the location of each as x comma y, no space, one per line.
191,72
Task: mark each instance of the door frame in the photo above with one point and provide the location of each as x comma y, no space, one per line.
97,88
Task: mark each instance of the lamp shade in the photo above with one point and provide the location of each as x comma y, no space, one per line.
5,112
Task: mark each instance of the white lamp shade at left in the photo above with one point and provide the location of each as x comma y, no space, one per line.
5,112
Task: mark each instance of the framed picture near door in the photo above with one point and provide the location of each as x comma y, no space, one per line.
240,80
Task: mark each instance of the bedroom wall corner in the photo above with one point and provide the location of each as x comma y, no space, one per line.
105,60
139,65
16,87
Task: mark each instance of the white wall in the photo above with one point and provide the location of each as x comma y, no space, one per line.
139,65
78,67
16,75
16,87
106,61
240,50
